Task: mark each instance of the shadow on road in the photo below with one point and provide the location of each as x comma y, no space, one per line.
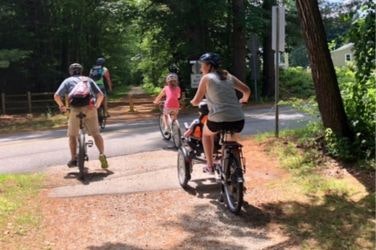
89,177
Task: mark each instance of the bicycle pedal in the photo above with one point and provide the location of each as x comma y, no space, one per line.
89,143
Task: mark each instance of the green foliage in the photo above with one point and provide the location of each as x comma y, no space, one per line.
295,82
337,147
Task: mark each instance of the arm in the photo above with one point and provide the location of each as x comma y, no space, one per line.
60,103
200,93
107,77
98,99
57,97
159,97
99,96
239,85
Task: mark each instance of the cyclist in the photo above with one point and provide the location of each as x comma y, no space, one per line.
101,75
172,92
225,112
89,109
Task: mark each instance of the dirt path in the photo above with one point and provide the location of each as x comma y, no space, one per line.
168,219
171,218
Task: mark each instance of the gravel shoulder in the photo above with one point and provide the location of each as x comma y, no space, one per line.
146,213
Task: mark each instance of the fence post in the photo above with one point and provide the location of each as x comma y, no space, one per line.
131,104
3,103
29,101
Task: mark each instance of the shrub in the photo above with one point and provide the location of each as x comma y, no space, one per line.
295,82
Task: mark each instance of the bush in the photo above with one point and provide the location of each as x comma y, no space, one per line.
295,82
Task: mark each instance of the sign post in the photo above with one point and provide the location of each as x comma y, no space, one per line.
195,74
278,45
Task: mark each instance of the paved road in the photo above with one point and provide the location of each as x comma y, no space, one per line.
36,151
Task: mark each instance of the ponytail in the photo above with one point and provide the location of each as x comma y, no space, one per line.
222,73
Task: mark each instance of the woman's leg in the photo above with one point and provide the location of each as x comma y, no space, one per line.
208,143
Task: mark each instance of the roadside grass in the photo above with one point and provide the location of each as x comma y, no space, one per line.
18,123
19,210
45,121
120,91
333,211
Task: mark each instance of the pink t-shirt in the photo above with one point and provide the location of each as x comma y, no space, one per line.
172,96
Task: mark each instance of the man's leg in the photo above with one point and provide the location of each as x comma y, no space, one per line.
73,146
98,139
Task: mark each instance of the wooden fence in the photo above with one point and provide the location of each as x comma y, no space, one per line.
27,103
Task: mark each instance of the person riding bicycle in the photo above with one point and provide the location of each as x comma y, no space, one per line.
172,92
75,86
225,112
101,75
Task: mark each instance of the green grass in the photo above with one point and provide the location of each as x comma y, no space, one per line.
119,92
36,122
334,213
19,211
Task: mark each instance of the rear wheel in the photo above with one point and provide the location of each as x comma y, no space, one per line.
233,185
81,155
176,134
102,117
165,134
184,167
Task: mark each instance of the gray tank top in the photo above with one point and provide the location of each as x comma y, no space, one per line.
222,101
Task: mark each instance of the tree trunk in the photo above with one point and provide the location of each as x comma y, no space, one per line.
268,87
238,40
323,73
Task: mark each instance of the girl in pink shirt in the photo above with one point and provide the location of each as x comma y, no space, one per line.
172,92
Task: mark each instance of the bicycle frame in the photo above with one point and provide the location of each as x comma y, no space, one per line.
82,147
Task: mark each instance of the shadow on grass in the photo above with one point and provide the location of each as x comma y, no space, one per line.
336,223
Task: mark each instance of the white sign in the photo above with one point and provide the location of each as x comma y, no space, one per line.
195,80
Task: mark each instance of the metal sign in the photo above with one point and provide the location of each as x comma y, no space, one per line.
195,74
278,28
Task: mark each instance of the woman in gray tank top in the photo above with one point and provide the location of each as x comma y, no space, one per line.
225,112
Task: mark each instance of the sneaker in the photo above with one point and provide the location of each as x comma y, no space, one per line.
166,132
209,170
72,163
103,160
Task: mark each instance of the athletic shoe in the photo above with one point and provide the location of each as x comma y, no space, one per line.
72,163
103,160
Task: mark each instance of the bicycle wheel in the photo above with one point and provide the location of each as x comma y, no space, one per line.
176,133
233,185
102,117
165,134
184,167
81,155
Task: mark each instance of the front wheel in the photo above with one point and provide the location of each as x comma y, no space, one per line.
184,167
233,185
81,155
176,134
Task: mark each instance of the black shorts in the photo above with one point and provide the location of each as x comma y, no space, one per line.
236,126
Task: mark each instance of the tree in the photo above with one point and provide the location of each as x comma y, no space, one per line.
238,40
326,86
268,54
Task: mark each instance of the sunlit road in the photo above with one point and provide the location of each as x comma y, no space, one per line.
30,152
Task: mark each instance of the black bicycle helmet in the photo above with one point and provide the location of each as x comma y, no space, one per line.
75,69
100,61
203,107
211,58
